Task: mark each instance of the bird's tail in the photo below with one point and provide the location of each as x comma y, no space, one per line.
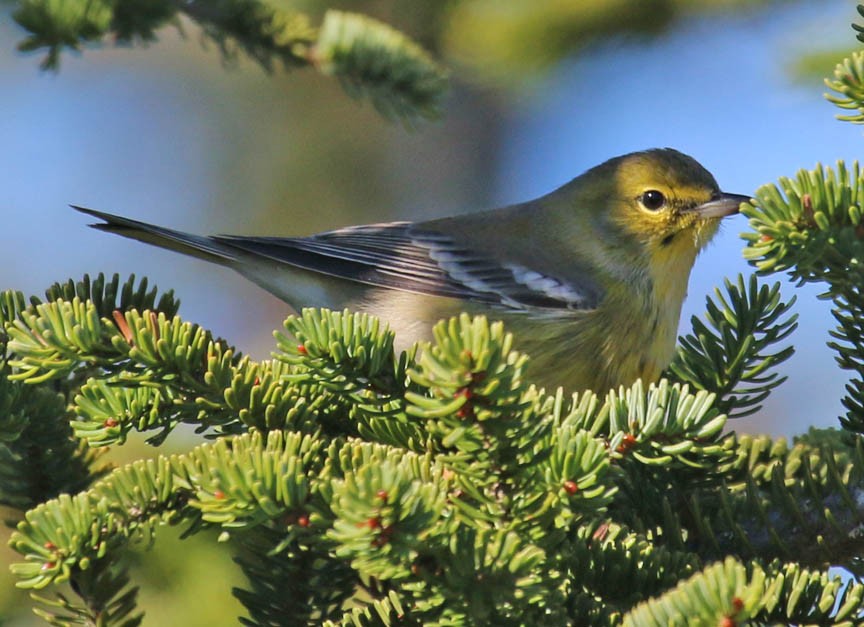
195,245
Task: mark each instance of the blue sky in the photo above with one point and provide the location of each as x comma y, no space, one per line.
132,131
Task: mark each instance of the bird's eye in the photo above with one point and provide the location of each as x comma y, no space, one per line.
652,200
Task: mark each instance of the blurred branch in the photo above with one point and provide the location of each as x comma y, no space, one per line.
371,59
517,41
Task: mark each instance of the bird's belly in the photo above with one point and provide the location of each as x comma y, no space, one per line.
577,350
302,288
599,350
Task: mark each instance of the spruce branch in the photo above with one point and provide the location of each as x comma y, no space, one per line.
511,567
610,569
534,503
11,305
347,363
857,27
370,59
295,583
384,516
285,463
349,355
51,340
39,458
373,60
73,308
471,392
802,503
56,25
145,371
111,295
665,425
847,81
65,535
732,592
849,345
812,229
387,611
848,85
261,30
104,598
726,353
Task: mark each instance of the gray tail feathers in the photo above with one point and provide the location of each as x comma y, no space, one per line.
195,245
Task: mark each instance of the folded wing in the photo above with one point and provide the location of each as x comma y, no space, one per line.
405,256
396,255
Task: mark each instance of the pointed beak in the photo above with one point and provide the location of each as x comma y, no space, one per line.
721,206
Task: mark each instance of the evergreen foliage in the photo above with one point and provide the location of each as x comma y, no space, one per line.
358,486
369,58
811,227
487,501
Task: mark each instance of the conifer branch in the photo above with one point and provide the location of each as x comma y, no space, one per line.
370,59
726,353
485,474
811,227
732,592
104,597
848,86
39,458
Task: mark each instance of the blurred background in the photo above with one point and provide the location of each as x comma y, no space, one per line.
174,133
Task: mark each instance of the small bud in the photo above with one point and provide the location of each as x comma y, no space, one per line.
466,411
303,520
627,443
601,532
302,349
807,208
154,323
122,326
218,495
110,422
571,487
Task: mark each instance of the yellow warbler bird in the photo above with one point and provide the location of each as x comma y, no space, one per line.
590,278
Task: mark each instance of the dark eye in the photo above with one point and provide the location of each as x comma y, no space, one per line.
652,200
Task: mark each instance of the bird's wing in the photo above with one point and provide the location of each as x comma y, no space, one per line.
404,256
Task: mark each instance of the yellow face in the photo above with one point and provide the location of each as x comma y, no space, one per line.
658,197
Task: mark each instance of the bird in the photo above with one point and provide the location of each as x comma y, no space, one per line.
590,278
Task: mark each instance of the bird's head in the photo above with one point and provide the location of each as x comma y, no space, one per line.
663,199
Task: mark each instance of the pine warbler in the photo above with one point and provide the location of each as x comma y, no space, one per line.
590,278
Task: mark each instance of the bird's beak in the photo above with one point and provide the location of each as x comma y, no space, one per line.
721,206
